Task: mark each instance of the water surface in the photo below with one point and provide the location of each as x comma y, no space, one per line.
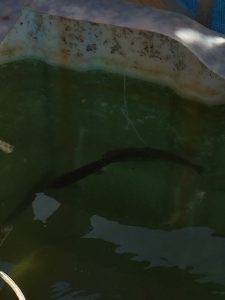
151,230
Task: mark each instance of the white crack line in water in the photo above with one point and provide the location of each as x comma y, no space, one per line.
125,112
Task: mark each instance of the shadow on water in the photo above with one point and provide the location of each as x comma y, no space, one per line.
143,230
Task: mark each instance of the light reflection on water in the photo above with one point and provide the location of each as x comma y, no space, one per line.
44,206
191,247
64,291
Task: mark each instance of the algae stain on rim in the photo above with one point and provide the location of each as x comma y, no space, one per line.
124,45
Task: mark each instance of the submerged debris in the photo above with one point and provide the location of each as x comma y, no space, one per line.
13,285
6,147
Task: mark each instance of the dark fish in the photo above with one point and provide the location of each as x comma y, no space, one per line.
79,173
121,155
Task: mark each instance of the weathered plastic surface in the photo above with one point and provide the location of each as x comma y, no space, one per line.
120,36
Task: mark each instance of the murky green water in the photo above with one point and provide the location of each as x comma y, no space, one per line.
150,230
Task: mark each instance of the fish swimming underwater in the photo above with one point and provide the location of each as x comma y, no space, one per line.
121,155
115,156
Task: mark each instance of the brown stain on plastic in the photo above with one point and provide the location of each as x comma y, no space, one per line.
192,131
204,12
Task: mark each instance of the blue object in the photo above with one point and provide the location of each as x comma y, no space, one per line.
218,16
191,5
218,13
